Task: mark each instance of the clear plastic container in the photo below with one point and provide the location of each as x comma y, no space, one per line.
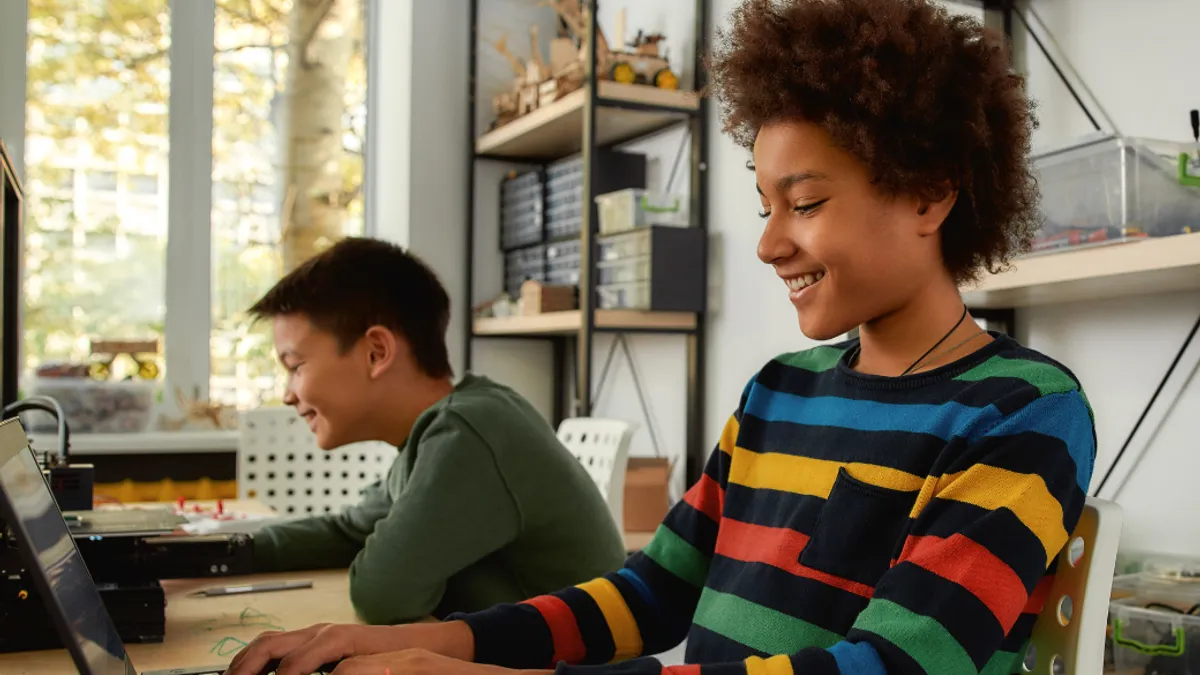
1108,188
1156,629
628,245
623,296
635,208
623,270
93,406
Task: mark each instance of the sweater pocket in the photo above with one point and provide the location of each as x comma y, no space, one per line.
859,530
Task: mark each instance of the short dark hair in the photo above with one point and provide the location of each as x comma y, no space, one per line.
361,282
922,97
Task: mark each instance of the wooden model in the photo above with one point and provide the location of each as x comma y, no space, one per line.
144,353
643,64
538,82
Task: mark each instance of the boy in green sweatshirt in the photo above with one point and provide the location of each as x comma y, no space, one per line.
482,505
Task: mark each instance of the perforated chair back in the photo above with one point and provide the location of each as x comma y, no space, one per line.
280,465
602,446
1068,638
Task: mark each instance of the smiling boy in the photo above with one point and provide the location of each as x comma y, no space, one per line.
482,504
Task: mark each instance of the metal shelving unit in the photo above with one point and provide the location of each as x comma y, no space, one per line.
599,115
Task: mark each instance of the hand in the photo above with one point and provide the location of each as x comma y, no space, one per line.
301,652
416,662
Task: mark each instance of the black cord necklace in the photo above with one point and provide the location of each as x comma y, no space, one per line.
936,344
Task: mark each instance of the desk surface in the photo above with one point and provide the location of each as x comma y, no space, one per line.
209,631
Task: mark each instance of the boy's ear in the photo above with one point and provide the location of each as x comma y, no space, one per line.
382,349
932,212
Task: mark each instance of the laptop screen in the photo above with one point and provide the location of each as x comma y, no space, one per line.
54,563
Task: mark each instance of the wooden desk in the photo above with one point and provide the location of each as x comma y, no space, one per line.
209,631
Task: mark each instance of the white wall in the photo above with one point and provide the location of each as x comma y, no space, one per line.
1134,57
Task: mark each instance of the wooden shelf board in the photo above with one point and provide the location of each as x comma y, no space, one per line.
556,130
1145,267
567,323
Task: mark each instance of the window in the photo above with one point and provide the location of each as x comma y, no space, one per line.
86,73
286,177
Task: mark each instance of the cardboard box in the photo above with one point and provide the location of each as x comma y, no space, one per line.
538,298
647,493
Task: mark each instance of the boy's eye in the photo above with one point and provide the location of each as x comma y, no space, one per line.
765,213
806,209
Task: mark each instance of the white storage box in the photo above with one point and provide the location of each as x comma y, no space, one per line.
93,406
634,208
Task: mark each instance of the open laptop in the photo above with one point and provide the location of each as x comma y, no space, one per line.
59,574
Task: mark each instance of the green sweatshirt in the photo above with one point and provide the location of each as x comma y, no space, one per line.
482,506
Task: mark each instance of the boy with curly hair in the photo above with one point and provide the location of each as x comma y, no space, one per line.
892,504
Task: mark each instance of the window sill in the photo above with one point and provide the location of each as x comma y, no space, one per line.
146,443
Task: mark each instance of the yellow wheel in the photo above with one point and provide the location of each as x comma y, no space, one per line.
99,370
147,370
624,73
665,79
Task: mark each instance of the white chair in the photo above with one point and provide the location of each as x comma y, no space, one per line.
602,446
280,465
1068,638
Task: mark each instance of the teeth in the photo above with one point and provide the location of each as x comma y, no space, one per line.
801,282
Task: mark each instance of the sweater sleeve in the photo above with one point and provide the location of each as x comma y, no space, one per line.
975,564
327,541
646,607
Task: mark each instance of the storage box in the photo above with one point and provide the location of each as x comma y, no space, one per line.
647,493
538,298
1153,624
93,406
524,264
634,208
1109,188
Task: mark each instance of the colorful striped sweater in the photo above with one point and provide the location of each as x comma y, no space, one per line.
845,523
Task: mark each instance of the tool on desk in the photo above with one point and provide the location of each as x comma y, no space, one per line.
264,587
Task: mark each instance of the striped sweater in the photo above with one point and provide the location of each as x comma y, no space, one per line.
845,523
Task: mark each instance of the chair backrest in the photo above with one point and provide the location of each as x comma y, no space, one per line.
280,465
1068,638
602,446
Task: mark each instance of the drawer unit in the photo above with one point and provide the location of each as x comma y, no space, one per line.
522,265
657,268
522,201
562,263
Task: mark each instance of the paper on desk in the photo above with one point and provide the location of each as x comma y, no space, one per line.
248,523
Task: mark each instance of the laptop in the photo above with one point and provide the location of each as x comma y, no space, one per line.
59,574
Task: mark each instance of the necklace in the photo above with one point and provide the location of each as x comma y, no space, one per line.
948,333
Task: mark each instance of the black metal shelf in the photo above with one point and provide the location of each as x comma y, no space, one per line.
599,115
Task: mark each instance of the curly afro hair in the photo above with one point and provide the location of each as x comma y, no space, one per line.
923,97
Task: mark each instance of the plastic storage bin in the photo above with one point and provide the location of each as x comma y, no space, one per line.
562,263
1113,188
524,264
628,245
634,208
93,406
624,296
521,210
1154,625
623,271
